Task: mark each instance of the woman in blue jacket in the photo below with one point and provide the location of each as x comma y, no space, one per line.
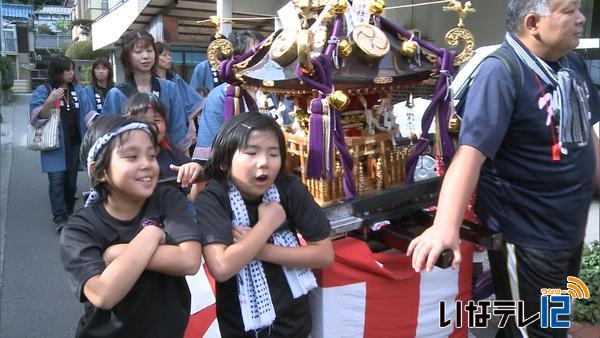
138,58
102,82
192,101
61,164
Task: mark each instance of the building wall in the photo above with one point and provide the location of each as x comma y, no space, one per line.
486,24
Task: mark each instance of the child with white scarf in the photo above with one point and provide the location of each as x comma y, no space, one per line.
250,214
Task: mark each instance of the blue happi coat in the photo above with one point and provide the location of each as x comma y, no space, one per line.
177,120
192,100
202,76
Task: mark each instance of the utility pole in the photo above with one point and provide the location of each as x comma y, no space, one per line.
2,40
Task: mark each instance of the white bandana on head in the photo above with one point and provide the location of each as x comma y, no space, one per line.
253,290
100,144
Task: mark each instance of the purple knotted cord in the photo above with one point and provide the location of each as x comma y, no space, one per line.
439,103
227,74
388,25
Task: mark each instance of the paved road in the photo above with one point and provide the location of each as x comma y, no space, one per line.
35,296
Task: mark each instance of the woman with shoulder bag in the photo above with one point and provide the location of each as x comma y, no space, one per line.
61,164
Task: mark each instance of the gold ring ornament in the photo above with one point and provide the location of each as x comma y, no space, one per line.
217,50
371,42
454,36
460,33
284,49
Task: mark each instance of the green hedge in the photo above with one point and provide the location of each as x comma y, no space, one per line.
8,77
82,50
588,310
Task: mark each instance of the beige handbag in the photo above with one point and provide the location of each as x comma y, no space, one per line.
45,137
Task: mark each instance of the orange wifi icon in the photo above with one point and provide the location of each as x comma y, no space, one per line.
577,289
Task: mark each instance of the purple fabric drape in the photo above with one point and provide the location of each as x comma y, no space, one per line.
229,106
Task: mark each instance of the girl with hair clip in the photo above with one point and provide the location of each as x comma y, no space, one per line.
250,214
61,164
192,100
128,251
138,57
102,82
172,164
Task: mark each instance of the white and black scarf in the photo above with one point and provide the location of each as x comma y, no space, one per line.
569,102
253,290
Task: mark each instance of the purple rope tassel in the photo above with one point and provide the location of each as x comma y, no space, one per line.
322,81
314,163
345,158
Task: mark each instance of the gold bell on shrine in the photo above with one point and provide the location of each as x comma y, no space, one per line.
339,100
409,49
345,48
454,125
377,7
339,6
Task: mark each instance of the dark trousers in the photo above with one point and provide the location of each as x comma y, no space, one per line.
62,186
520,273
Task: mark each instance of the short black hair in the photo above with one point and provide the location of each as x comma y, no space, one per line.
161,47
56,67
139,103
240,40
234,135
99,128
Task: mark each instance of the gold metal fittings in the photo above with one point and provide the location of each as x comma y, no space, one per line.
218,49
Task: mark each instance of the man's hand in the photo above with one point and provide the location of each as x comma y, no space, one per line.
426,248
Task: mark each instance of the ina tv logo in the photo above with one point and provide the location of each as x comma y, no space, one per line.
550,314
555,308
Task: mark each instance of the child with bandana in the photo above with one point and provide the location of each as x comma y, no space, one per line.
128,252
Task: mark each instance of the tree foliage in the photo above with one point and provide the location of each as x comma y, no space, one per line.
84,24
82,50
8,78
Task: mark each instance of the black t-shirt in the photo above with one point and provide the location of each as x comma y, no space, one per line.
158,305
69,116
303,216
532,200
